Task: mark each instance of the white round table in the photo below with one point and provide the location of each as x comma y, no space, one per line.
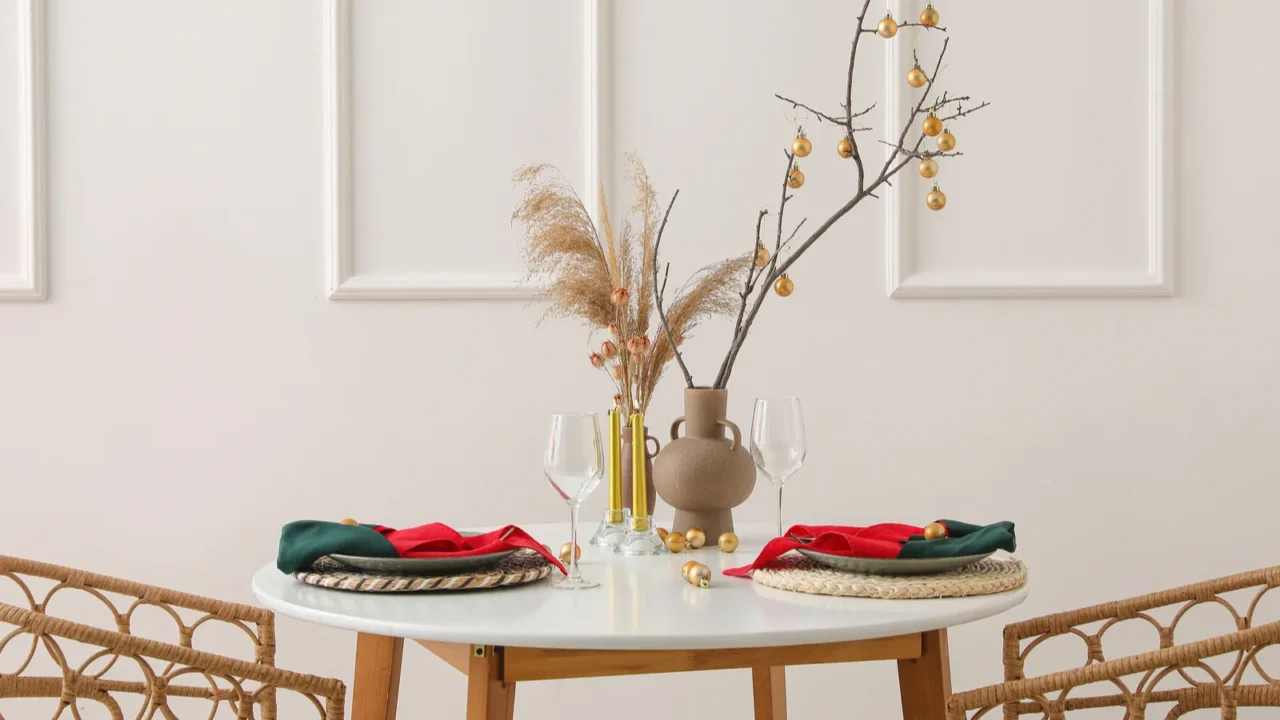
643,618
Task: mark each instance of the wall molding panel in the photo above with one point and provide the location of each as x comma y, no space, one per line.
31,282
340,279
1155,280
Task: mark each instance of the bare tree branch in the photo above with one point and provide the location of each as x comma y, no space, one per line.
919,154
659,290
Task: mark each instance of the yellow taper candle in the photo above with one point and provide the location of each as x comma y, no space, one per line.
615,466
639,496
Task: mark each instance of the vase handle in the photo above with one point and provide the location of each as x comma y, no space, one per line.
656,445
737,434
675,428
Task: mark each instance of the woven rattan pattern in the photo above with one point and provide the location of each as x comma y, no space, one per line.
1138,678
525,566
800,574
248,689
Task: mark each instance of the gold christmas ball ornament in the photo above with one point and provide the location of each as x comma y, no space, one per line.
684,570
928,167
784,286
795,178
349,521
674,542
699,575
762,256
801,147
916,77
934,530
929,16
936,200
932,125
845,148
888,27
728,542
946,141
662,534
695,538
565,550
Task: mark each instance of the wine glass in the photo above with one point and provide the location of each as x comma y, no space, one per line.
777,442
574,464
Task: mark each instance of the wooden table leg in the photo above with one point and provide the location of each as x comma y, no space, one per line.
925,682
488,697
769,688
377,677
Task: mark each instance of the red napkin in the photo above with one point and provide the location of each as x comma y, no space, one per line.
876,541
440,540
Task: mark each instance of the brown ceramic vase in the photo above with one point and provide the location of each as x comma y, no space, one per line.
705,474
627,468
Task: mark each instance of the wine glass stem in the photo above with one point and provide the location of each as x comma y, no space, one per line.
779,511
573,542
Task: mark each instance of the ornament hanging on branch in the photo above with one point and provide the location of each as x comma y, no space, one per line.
928,167
946,141
936,200
801,147
784,287
845,148
888,27
929,16
762,255
916,77
932,125
795,178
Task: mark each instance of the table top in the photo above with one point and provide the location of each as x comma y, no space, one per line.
642,604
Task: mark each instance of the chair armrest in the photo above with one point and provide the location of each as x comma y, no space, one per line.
1188,654
45,626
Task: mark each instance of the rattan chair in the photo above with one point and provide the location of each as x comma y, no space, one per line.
1134,682
157,670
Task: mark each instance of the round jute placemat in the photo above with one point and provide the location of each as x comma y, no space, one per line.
523,567
800,574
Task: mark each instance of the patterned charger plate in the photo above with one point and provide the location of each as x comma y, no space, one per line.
524,566
421,566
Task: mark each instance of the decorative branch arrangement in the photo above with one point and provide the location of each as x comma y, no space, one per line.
769,269
608,278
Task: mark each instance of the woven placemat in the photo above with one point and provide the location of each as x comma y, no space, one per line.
525,566
800,574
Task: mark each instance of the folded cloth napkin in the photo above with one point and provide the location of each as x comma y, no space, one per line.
305,541
887,540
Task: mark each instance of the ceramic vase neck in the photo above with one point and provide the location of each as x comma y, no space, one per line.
703,408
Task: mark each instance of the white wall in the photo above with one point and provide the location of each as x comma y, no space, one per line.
187,386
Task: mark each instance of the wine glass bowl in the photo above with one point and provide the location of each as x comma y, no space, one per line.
778,444
574,465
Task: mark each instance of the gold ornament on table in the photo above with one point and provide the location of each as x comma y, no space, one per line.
795,179
684,570
784,286
728,542
695,538
566,548
916,77
929,16
946,141
845,148
928,167
888,27
662,533
801,147
674,541
934,531
936,200
349,521
762,257
932,125
699,575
